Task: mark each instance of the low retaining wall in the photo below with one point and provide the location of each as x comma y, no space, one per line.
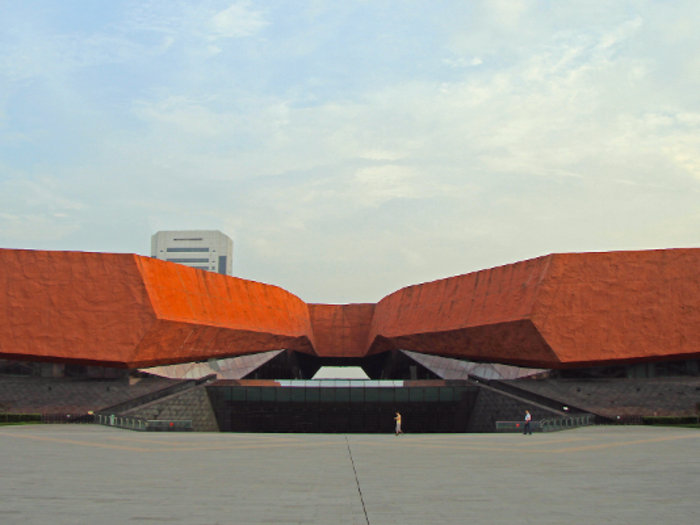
547,425
144,425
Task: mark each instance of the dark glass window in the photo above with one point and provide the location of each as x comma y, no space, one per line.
447,394
283,394
415,394
357,395
386,395
254,393
312,394
460,393
190,260
342,395
188,249
371,395
431,394
335,406
237,394
401,395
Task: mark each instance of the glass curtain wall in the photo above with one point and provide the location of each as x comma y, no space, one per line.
342,406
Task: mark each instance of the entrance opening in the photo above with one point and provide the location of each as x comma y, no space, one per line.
341,405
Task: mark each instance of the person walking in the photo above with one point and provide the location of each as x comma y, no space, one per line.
398,424
528,425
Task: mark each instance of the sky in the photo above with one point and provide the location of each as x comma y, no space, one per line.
351,148
340,372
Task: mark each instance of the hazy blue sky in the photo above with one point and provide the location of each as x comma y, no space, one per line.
351,148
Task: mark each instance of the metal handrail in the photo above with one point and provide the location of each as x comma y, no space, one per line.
548,425
142,424
561,423
112,420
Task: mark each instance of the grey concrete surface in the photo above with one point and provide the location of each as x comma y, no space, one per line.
63,474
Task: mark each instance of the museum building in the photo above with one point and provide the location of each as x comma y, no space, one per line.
447,353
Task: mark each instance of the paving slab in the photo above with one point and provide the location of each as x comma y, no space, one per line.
87,474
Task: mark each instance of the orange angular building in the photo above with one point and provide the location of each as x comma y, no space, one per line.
556,311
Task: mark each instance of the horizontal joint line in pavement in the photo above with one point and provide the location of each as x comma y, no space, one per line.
75,442
624,443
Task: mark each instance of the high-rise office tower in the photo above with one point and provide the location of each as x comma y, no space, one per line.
208,250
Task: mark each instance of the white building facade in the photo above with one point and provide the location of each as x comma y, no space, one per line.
208,250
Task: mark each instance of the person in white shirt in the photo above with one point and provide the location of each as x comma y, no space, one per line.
528,426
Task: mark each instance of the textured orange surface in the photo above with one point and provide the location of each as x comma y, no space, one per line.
621,306
482,314
560,310
557,311
210,315
132,311
341,330
71,306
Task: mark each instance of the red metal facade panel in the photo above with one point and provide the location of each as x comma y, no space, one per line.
171,342
516,343
128,311
560,310
481,316
72,306
341,330
621,306
180,293
499,295
216,315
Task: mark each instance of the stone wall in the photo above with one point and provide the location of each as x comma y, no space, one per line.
491,406
192,404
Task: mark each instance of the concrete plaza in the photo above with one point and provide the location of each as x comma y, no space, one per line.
63,474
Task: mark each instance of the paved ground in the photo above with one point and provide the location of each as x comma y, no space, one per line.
76,475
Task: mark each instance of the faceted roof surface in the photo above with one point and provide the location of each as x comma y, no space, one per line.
555,311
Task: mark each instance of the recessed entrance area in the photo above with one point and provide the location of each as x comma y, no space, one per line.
341,406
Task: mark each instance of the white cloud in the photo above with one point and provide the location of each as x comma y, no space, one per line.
685,153
509,12
378,184
24,229
238,20
182,115
37,211
39,55
350,159
190,22
462,62
545,116
375,154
